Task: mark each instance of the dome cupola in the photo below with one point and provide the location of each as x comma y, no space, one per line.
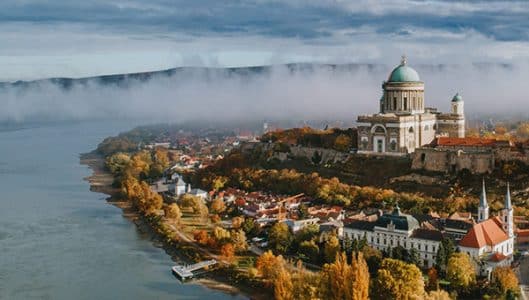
403,73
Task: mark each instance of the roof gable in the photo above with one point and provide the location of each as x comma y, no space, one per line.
488,232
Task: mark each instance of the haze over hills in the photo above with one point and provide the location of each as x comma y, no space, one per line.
286,92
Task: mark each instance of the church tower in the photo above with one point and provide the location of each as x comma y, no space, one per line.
458,105
507,214
483,209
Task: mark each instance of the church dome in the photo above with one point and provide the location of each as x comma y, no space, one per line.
403,73
457,98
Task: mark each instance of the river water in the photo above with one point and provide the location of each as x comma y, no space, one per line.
58,240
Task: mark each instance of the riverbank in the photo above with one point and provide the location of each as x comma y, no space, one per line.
220,279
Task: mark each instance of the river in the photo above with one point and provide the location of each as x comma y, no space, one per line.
58,240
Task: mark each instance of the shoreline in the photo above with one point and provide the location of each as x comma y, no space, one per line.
100,181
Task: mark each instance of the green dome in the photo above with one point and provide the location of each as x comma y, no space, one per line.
404,73
457,98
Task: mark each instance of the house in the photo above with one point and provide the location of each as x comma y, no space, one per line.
297,225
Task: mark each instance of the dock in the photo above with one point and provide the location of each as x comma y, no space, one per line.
186,271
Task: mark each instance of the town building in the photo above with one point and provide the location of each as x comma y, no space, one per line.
403,123
489,241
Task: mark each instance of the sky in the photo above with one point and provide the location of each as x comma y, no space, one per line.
78,38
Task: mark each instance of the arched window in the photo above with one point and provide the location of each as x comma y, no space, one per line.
410,130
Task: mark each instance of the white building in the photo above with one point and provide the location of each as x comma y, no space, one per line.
403,122
490,242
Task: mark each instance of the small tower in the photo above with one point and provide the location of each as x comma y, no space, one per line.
507,214
457,105
483,209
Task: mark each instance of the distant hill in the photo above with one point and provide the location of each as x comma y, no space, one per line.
123,80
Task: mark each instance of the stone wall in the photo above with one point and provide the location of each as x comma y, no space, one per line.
476,160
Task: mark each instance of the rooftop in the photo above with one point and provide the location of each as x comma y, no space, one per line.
486,233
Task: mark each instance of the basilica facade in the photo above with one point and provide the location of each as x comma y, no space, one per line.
404,123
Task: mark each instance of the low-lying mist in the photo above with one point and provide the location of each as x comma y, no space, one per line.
317,93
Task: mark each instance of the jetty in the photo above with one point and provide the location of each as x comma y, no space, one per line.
186,271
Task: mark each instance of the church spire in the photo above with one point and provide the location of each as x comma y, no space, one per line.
508,214
508,204
483,209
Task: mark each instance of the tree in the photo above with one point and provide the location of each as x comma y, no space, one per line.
283,285
195,203
227,251
221,235
460,271
201,237
280,237
342,143
437,295
172,212
305,284
444,252
331,248
505,281
309,250
250,227
398,280
267,265
433,279
218,206
238,239
340,280
117,163
236,222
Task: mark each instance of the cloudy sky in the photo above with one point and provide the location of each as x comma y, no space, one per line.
75,38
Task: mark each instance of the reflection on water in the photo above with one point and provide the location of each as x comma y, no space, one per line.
58,240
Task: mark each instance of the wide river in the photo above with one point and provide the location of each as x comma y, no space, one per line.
58,240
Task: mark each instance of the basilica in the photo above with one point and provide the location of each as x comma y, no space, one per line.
404,123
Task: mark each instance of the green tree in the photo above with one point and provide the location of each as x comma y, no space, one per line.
309,250
279,237
331,249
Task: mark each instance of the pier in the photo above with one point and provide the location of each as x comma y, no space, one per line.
186,271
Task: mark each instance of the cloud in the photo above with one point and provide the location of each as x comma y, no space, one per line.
218,95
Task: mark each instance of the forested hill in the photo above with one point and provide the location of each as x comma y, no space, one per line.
124,80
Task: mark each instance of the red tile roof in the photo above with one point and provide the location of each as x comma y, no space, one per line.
468,141
488,232
522,232
497,257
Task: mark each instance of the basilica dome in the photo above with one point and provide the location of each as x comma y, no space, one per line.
403,73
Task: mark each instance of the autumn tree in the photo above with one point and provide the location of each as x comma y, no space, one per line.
218,206
280,237
221,235
437,295
460,271
236,222
201,236
117,163
339,280
267,265
342,143
504,280
433,279
238,239
522,132
331,248
227,251
195,203
304,283
172,212
398,280
283,287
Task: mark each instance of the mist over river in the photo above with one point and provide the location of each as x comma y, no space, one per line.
58,240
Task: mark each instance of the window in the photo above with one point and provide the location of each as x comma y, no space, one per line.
405,103
393,145
394,103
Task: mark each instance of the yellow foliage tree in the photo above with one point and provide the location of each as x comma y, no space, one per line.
460,271
172,212
340,280
398,280
267,264
283,286
505,280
